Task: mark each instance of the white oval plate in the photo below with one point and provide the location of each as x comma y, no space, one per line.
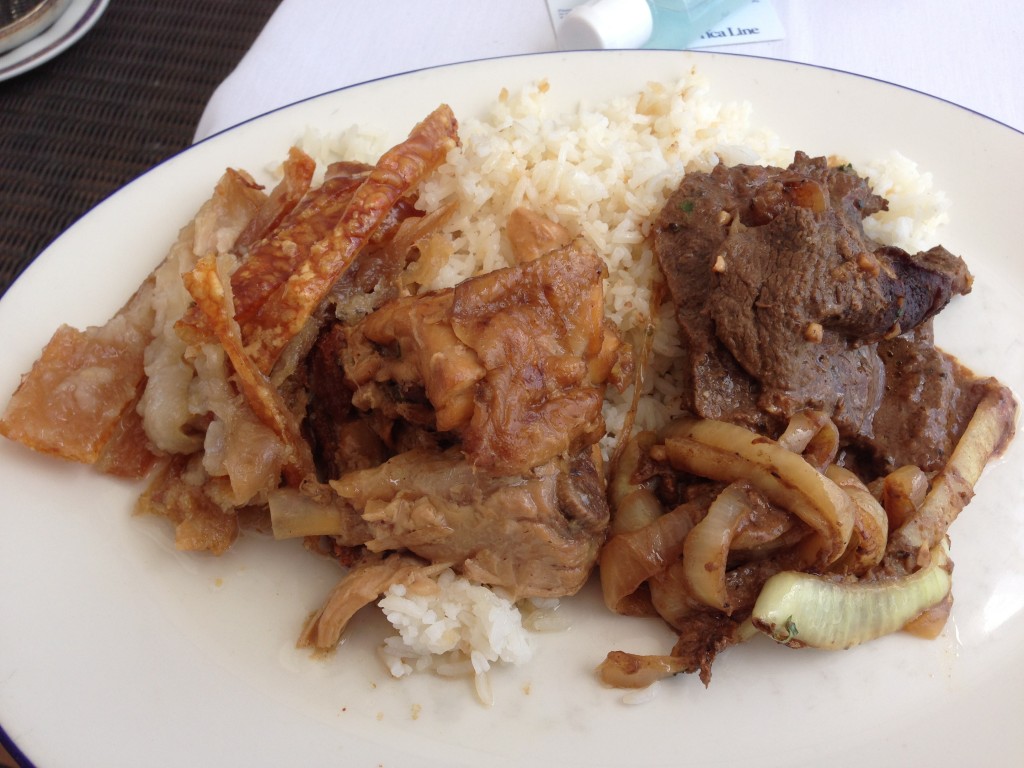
69,27
117,650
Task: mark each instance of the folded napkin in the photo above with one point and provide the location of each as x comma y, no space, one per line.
312,46
967,53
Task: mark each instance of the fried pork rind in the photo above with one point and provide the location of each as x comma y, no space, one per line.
85,382
292,303
270,259
297,174
207,285
83,391
168,377
179,493
168,416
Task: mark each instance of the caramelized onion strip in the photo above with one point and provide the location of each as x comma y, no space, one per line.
630,670
706,549
634,504
903,491
629,559
987,433
802,427
768,530
643,539
728,453
870,525
813,435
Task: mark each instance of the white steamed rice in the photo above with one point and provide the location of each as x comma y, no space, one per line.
453,627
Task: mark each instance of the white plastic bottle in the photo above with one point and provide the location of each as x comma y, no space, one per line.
671,24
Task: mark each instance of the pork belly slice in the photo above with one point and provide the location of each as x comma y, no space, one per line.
84,383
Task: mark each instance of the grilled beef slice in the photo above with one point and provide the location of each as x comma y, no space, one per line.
784,303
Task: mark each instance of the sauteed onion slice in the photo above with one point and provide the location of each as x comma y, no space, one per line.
706,549
729,453
987,434
803,609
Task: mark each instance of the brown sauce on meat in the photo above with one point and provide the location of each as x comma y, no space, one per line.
785,304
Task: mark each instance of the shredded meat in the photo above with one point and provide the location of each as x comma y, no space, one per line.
365,582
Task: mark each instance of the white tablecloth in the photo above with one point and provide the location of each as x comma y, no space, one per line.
966,52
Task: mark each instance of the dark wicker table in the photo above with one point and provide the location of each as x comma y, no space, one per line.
121,100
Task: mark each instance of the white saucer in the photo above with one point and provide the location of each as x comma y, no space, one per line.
78,19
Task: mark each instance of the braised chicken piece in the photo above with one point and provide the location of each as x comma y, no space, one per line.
536,534
487,398
515,362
